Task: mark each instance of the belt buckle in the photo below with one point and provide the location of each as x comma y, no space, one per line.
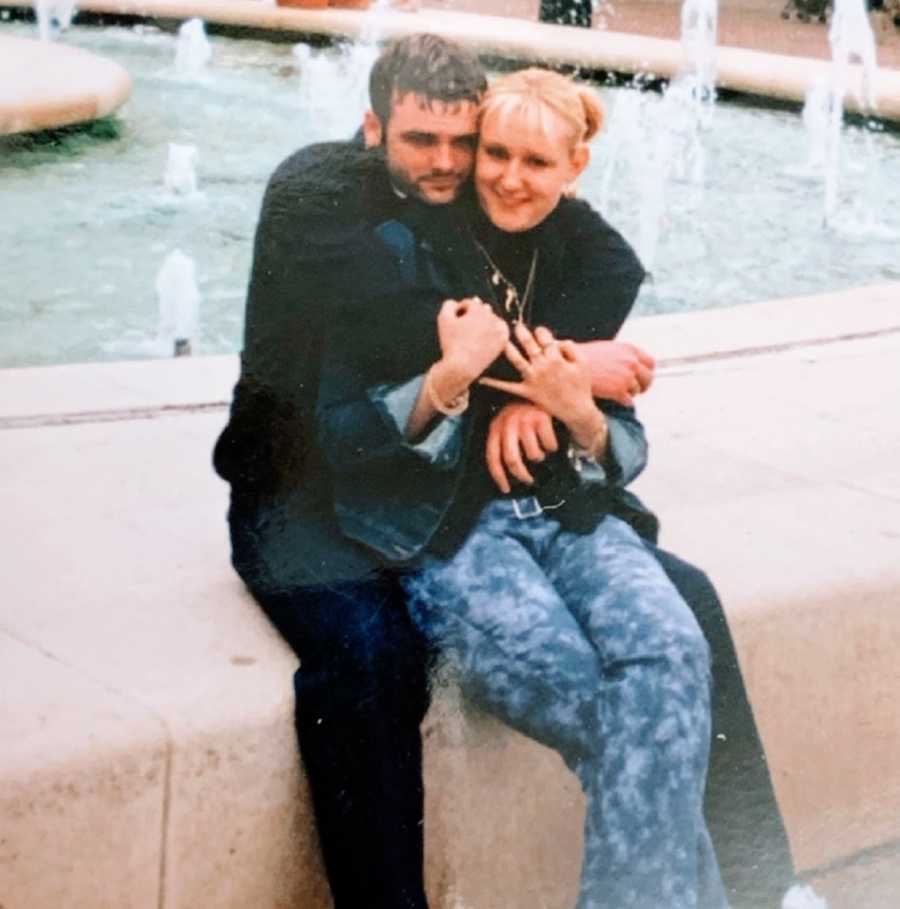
521,507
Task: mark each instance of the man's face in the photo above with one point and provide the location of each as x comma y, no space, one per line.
430,146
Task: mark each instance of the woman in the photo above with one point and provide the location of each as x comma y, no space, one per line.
556,616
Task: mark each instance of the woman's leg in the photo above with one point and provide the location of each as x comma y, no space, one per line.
646,840
518,652
616,710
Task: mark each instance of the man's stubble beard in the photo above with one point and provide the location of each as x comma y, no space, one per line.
403,184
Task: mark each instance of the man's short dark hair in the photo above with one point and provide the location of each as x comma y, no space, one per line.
429,66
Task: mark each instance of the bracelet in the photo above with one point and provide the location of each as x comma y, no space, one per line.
449,408
579,454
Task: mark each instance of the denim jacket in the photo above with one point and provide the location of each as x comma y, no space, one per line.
390,493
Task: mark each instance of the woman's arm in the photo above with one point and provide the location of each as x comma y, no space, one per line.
471,337
609,443
555,376
364,413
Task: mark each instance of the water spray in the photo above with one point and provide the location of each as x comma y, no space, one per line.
179,302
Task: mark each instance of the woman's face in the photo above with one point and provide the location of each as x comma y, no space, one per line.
525,162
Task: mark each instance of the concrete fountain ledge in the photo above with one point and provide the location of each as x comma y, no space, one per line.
45,85
751,72
146,751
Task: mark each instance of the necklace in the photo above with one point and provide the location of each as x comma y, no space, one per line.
513,304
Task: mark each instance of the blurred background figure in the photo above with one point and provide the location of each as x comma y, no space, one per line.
566,12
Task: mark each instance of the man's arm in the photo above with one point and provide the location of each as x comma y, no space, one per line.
522,432
253,448
602,276
302,260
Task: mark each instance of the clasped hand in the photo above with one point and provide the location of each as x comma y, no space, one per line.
555,376
471,336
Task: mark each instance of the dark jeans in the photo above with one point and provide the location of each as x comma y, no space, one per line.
362,693
741,812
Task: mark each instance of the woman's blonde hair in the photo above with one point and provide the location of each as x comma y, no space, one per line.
535,90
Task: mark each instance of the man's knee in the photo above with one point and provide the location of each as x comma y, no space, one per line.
691,582
354,641
697,590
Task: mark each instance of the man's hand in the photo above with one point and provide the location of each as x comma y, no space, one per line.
518,429
619,370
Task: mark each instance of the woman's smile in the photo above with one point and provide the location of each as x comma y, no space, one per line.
525,162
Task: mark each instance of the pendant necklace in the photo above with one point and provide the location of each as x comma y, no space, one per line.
513,304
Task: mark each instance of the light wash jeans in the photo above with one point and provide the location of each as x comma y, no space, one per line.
581,642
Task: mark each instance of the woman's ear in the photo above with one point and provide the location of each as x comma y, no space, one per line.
373,134
581,155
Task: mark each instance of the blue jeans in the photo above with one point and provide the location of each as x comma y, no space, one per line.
581,642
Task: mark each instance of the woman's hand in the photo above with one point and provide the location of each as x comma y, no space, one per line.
471,336
555,376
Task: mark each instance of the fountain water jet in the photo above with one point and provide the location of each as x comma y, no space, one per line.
181,171
668,135
53,17
179,302
751,235
816,118
193,51
850,37
699,28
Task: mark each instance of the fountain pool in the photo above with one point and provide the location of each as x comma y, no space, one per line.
88,220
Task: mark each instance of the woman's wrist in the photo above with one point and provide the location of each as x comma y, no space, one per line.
449,379
590,433
447,388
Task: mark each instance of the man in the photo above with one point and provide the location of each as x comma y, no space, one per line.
361,689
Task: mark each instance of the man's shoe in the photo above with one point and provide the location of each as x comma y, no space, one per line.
802,896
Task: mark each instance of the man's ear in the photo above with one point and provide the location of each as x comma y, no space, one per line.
373,134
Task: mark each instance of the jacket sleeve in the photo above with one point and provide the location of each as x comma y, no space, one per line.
297,269
266,408
601,281
626,453
360,419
